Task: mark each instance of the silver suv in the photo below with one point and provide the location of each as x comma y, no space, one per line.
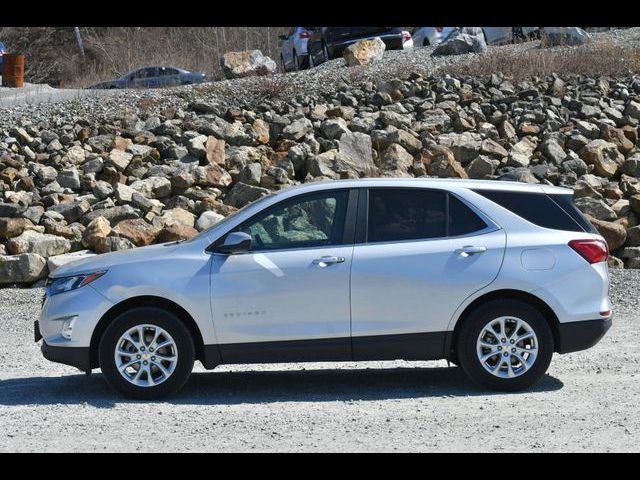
493,276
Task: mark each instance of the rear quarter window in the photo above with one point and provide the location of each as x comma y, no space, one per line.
540,209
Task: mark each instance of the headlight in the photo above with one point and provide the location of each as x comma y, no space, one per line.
65,284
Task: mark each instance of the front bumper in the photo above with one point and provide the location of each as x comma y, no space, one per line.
576,336
78,357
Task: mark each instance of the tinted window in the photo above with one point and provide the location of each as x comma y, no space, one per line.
167,71
462,220
308,221
536,208
397,214
566,203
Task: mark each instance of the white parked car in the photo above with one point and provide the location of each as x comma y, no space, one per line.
293,48
425,36
494,276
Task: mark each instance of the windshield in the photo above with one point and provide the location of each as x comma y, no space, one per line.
229,217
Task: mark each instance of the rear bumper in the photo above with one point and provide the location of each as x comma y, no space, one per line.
78,357
575,336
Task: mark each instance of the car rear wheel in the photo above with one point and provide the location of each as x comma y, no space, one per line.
296,61
146,353
505,345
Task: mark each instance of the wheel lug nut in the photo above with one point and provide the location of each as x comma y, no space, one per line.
151,349
513,350
504,354
145,362
153,358
138,357
499,348
512,342
142,348
504,340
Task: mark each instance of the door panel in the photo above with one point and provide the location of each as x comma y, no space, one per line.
416,286
281,295
293,286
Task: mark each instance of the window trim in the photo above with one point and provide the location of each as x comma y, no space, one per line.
348,231
362,223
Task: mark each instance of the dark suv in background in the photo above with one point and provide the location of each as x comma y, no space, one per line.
327,43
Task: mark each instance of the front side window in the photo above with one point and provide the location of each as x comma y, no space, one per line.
310,221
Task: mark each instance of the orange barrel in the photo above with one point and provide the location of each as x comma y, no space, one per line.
13,70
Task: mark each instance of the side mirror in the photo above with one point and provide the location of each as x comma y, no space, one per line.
236,242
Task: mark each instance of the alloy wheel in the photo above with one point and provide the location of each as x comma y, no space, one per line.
146,355
507,347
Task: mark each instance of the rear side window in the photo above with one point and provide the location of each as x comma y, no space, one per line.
397,214
413,214
462,220
566,203
537,208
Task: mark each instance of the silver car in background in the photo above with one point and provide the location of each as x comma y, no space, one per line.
293,48
425,36
154,77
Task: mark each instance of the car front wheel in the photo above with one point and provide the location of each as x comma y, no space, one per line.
505,345
146,353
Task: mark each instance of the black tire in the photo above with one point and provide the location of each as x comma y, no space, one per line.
478,319
168,322
426,42
325,52
296,62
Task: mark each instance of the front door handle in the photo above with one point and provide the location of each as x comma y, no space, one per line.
327,260
470,250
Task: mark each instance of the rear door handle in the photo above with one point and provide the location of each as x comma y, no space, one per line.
470,250
327,260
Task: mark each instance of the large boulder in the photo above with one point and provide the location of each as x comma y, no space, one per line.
554,36
241,194
604,156
12,227
356,150
247,63
138,231
24,268
614,233
97,228
443,163
364,52
595,208
463,40
208,219
43,244
58,260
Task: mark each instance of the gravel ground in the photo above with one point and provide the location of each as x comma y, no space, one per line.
587,402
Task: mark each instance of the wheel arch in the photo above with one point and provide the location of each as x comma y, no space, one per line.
504,294
145,301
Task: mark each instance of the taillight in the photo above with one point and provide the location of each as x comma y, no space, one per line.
304,35
406,36
593,251
439,29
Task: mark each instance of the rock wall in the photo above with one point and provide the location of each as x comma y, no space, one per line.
137,177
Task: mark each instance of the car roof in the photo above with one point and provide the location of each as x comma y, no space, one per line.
440,183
